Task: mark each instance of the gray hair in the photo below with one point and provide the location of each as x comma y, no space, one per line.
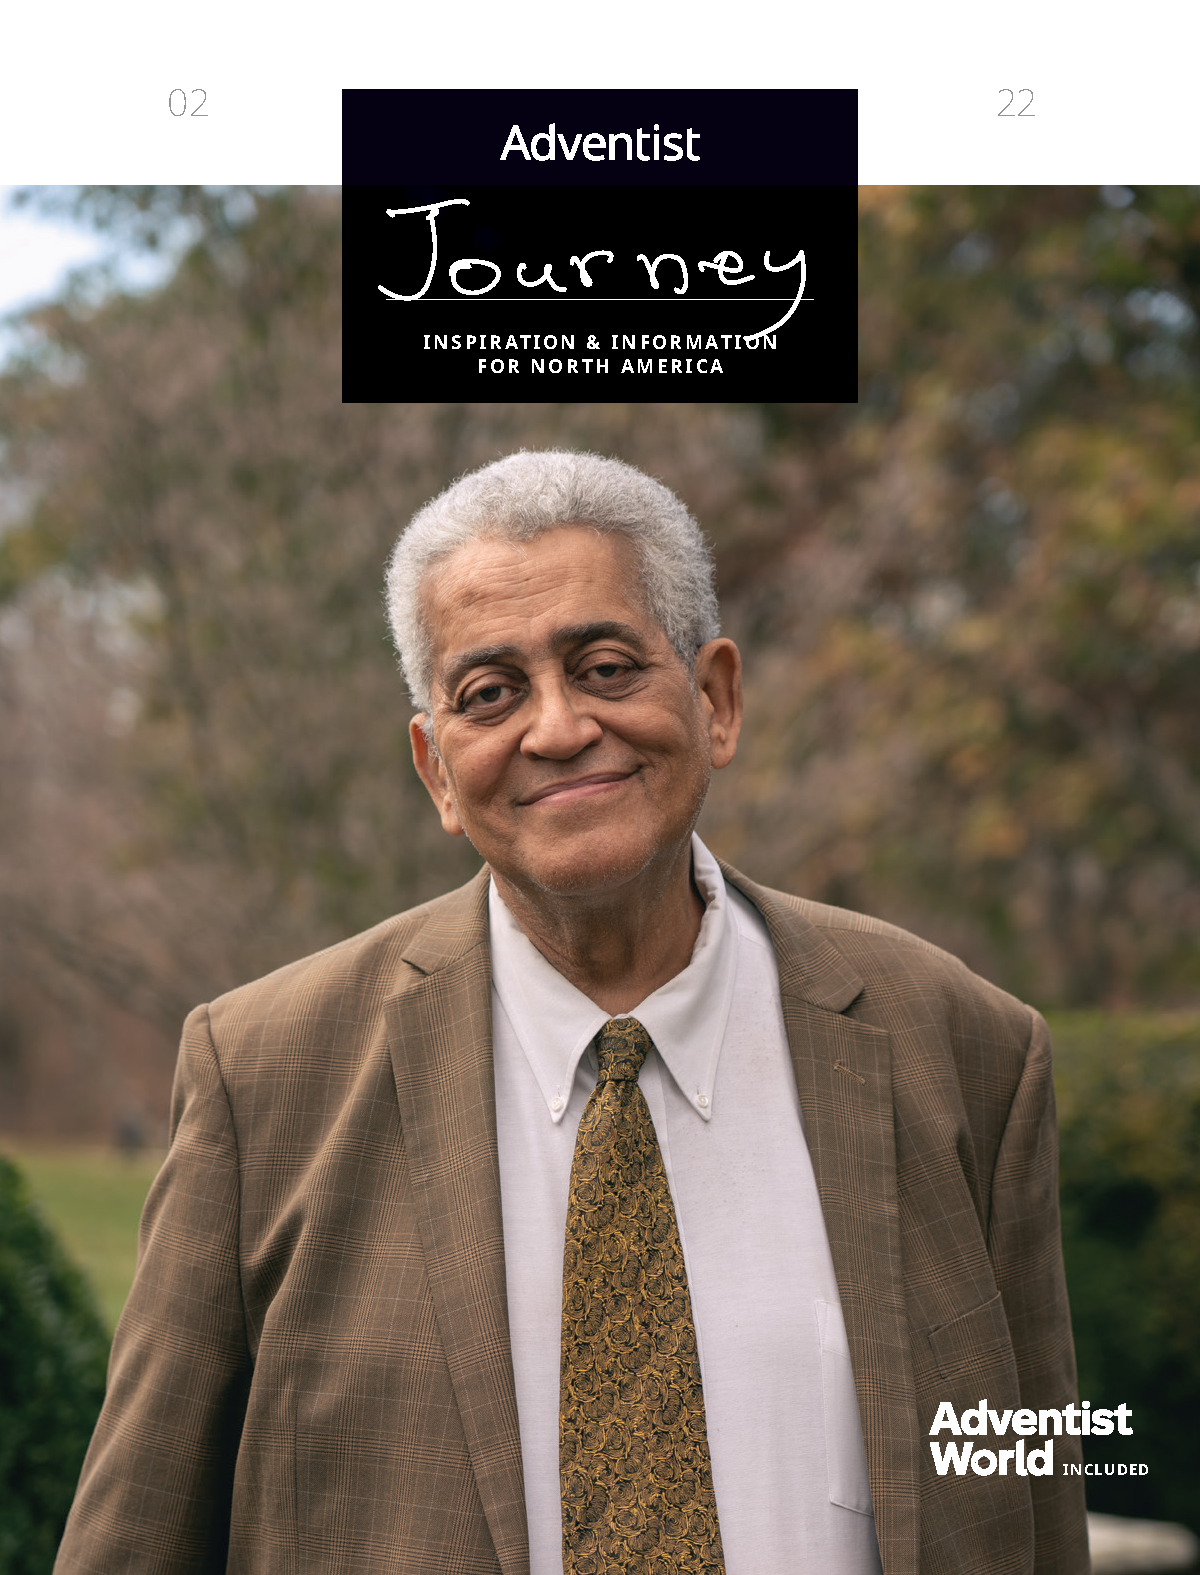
519,497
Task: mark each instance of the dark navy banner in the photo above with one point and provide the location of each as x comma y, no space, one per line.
578,252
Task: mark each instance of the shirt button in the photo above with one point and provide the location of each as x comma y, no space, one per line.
556,1104
702,1101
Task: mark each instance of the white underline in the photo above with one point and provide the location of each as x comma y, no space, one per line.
623,300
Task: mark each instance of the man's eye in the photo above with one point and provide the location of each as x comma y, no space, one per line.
489,695
605,672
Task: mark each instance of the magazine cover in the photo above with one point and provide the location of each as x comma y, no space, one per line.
695,898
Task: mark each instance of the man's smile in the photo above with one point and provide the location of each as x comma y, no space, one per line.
576,787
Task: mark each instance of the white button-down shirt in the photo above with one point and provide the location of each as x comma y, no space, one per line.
783,1426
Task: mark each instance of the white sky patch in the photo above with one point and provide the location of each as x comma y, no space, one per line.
36,255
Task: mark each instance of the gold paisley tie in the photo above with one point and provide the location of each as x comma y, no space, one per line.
637,1491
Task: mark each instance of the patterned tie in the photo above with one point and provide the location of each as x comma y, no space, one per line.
637,1491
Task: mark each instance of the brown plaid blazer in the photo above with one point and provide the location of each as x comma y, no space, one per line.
313,1374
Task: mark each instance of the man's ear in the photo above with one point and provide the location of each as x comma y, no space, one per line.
433,773
718,673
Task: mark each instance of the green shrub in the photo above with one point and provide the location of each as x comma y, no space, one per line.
53,1351
1128,1088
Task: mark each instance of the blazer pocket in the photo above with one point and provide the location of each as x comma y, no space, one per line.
845,1457
971,1340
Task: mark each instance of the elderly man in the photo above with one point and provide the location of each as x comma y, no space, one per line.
612,1214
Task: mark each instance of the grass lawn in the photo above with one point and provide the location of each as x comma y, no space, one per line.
93,1198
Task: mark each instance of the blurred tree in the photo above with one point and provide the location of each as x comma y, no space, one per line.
982,717
969,604
192,467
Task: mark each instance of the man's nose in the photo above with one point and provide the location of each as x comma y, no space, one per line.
559,726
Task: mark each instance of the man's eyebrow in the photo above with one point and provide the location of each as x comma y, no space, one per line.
484,656
561,639
582,633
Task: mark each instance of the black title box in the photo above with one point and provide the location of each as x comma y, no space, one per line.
468,275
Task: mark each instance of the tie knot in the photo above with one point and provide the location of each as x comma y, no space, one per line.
621,1047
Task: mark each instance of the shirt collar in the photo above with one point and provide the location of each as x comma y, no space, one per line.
555,1023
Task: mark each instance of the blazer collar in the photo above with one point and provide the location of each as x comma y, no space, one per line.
809,967
453,926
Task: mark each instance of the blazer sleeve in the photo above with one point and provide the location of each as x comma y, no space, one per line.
1025,1247
155,1490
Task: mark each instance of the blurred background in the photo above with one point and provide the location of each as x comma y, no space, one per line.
969,606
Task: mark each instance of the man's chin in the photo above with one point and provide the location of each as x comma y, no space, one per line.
579,872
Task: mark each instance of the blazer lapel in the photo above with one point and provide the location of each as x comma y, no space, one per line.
441,1045
844,1078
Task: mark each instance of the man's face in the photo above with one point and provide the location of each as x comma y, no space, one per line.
573,746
